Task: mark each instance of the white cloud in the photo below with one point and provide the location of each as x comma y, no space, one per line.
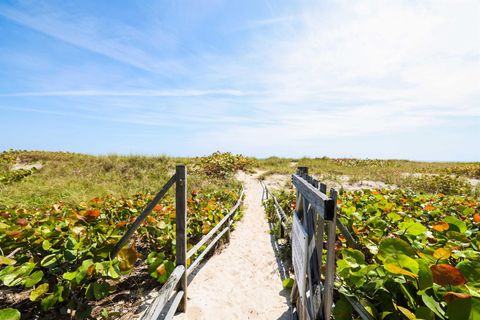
359,68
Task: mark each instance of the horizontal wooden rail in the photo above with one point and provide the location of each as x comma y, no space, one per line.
153,312
174,305
322,204
136,224
195,248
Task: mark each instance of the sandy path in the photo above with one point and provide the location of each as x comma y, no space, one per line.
243,281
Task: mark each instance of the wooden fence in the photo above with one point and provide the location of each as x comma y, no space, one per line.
173,294
315,219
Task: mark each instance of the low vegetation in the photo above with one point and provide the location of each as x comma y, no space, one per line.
420,256
59,224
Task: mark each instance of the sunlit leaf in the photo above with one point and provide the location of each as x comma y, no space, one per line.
393,268
471,270
407,313
39,291
442,253
392,247
445,274
9,314
33,279
441,226
127,258
6,261
288,283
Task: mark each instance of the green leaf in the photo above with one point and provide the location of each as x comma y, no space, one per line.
423,313
288,283
46,245
456,223
433,305
100,290
343,310
113,272
9,314
471,270
391,248
354,258
413,228
48,302
425,278
6,261
49,260
39,291
33,279
475,312
459,308
70,275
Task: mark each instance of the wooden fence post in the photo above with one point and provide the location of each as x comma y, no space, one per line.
181,230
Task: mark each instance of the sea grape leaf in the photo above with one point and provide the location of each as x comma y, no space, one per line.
33,279
393,247
127,258
459,305
471,270
442,253
445,274
433,305
424,313
49,260
70,275
6,261
353,257
48,302
459,224
441,226
39,291
393,268
413,228
101,290
288,283
425,279
9,314
407,313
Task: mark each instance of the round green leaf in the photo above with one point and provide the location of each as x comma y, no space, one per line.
33,279
9,314
39,291
391,248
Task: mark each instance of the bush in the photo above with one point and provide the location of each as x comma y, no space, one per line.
223,165
443,183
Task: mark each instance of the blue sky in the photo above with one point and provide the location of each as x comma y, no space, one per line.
370,79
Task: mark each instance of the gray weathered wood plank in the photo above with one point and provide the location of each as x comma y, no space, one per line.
323,205
174,305
164,294
181,229
330,272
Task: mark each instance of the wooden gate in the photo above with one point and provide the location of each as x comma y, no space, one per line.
314,219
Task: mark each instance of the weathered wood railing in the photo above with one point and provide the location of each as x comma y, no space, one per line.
313,210
174,292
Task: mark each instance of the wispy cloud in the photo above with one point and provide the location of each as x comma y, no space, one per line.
133,93
117,41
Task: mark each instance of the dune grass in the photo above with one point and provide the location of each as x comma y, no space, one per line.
73,178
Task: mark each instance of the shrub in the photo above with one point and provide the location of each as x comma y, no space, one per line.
222,165
443,183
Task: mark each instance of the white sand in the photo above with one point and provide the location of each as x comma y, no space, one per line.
243,281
